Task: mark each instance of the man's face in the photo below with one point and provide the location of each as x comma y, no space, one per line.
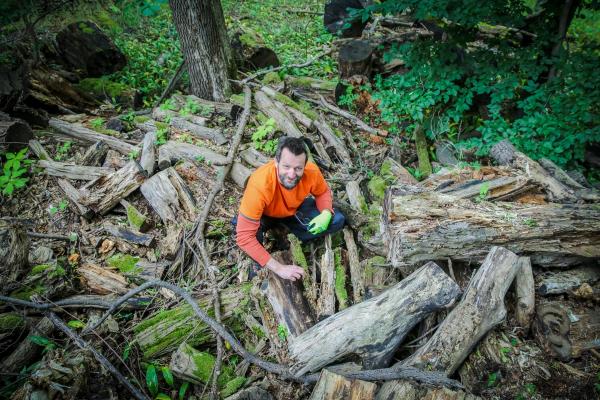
290,168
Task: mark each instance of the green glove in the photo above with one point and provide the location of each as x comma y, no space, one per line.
320,223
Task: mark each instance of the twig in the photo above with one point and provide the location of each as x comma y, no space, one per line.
354,119
397,372
101,359
48,236
302,65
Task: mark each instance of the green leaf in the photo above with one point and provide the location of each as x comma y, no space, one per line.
75,324
126,351
39,340
162,396
182,390
166,372
152,379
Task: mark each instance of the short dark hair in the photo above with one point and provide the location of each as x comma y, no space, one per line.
294,144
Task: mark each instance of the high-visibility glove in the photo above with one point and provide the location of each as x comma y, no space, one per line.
320,223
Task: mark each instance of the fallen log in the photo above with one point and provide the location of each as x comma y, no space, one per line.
480,309
283,120
208,107
136,219
73,171
289,305
163,115
250,51
333,386
374,328
74,197
27,351
83,134
525,293
254,157
429,225
331,138
568,280
148,158
199,131
100,280
95,154
114,160
169,196
14,252
407,390
102,194
337,18
163,332
39,150
355,196
326,300
356,272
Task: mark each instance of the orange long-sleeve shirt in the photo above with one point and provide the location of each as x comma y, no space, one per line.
264,195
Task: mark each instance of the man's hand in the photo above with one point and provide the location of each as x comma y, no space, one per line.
291,272
320,223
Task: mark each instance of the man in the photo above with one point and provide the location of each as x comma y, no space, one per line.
277,192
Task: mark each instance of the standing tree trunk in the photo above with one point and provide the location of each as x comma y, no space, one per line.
205,46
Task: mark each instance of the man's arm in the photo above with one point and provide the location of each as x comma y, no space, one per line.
246,239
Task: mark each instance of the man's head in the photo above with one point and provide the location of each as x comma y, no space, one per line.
290,160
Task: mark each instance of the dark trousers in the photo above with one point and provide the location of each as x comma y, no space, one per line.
298,223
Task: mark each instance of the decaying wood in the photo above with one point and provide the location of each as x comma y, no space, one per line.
429,225
422,151
504,153
86,135
102,280
374,328
565,281
254,157
114,160
331,386
163,333
356,272
199,131
355,196
354,58
105,192
407,390
307,82
239,174
149,271
148,157
169,244
326,301
172,151
14,252
282,119
27,350
184,366
299,116
397,173
288,303
331,138
74,197
95,154
169,196
525,293
559,174
128,235
14,135
476,187
39,150
73,171
137,220
320,148
480,309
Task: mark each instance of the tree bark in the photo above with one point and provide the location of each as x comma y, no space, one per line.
525,291
169,197
14,251
205,46
331,386
95,154
374,328
355,59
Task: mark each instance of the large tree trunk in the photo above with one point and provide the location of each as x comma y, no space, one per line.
432,226
205,46
374,328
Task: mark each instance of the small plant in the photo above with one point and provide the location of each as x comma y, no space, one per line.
492,379
152,379
199,159
190,107
133,154
260,137
282,332
530,222
62,150
75,324
62,206
168,105
46,343
13,169
348,98
162,135
185,138
483,191
97,122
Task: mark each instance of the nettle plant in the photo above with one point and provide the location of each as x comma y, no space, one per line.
478,90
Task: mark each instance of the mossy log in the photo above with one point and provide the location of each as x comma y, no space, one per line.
85,135
432,226
282,118
326,301
374,328
14,135
209,107
408,390
422,152
163,332
250,51
39,150
73,171
306,82
95,154
199,131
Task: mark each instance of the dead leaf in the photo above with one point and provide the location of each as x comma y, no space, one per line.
106,246
74,258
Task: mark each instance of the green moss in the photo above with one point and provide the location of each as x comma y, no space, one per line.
135,218
310,83
251,39
297,253
237,99
338,132
377,187
302,107
271,77
38,269
233,386
386,172
125,263
369,270
161,125
103,87
27,292
10,322
140,119
85,28
204,363
340,279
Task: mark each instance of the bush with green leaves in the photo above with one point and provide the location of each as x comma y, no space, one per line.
493,89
